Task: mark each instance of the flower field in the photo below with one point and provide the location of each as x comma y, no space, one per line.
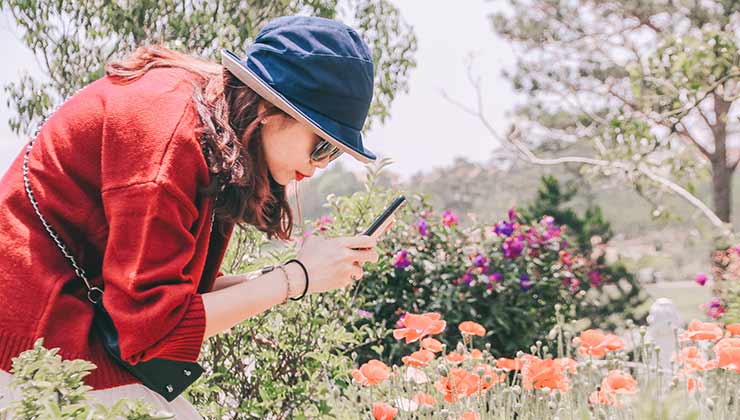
592,375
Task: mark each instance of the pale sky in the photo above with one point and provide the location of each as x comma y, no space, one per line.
424,130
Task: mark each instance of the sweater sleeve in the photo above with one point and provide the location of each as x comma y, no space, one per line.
150,289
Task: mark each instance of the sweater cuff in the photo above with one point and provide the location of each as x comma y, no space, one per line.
185,341
219,274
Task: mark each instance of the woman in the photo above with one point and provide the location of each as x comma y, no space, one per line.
145,172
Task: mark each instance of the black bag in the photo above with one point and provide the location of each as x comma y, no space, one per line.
168,378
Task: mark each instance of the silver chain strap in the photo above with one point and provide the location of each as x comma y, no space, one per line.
94,293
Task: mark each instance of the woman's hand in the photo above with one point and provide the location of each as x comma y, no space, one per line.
333,263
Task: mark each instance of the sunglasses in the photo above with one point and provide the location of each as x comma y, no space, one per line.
324,150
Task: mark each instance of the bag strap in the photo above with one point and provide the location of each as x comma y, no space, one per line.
94,293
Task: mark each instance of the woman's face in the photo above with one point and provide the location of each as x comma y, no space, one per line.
288,145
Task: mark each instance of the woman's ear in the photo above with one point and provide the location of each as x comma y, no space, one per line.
261,110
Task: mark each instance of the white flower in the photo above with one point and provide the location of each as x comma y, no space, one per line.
416,375
404,404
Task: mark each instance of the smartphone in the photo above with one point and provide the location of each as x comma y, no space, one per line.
381,223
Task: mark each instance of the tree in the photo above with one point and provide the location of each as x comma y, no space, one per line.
74,39
591,233
649,84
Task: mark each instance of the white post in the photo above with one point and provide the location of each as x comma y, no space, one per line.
663,319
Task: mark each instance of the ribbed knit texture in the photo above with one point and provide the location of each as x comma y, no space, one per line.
116,172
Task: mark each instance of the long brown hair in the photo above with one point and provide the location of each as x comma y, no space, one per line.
230,138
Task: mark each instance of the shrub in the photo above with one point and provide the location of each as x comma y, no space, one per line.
52,388
509,276
277,364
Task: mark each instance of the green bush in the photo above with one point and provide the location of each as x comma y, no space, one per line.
623,299
508,276
52,388
277,364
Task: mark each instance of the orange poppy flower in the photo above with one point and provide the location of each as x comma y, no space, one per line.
694,384
472,328
615,383
476,354
702,331
733,329
727,343
424,399
728,353
568,364
371,373
508,364
432,344
383,411
455,357
596,343
435,316
692,360
419,358
457,384
417,327
602,397
618,382
470,415
538,373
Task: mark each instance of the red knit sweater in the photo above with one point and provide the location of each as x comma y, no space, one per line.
115,171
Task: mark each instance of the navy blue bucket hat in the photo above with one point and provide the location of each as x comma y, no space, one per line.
318,71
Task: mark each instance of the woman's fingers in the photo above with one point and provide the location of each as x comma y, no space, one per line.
356,272
362,256
357,242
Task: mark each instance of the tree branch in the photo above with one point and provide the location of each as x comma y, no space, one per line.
513,139
641,168
684,132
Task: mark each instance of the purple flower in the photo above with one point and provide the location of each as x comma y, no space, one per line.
467,278
496,277
716,308
365,314
525,283
595,278
552,231
423,227
701,279
512,214
533,237
513,247
493,279
480,261
401,260
504,228
449,218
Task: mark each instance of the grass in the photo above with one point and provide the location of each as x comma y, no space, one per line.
687,296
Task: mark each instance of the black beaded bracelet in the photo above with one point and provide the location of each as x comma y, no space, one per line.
305,272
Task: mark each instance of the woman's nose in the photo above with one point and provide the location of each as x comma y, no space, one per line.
321,164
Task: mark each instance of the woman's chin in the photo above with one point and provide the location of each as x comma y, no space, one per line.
278,180
283,181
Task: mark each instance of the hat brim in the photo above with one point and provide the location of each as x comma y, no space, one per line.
324,127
